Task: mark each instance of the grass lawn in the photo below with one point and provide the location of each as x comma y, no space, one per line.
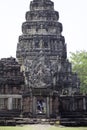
31,127
68,128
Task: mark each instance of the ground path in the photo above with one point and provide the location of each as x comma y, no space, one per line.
50,127
38,127
41,127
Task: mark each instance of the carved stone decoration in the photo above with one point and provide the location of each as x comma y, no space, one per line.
39,73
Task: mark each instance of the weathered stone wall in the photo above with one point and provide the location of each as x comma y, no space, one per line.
77,103
11,84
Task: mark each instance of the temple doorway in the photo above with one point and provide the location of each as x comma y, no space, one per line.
41,106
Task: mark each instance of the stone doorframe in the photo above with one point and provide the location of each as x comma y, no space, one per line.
43,101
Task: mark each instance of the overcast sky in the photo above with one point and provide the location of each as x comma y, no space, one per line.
73,16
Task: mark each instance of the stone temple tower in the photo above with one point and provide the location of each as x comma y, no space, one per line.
42,54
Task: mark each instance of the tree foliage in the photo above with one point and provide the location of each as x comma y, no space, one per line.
79,65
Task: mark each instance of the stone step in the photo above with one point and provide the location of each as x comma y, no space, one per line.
73,121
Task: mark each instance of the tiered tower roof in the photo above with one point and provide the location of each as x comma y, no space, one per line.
42,34
41,31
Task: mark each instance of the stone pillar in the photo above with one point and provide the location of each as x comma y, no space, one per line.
56,105
48,110
73,103
34,106
21,103
10,103
50,105
70,91
84,103
31,104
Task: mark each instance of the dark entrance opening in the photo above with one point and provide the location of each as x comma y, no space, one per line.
41,106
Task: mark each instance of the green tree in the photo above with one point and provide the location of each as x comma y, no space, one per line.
79,65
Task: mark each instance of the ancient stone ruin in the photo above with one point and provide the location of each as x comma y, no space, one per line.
41,84
42,54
